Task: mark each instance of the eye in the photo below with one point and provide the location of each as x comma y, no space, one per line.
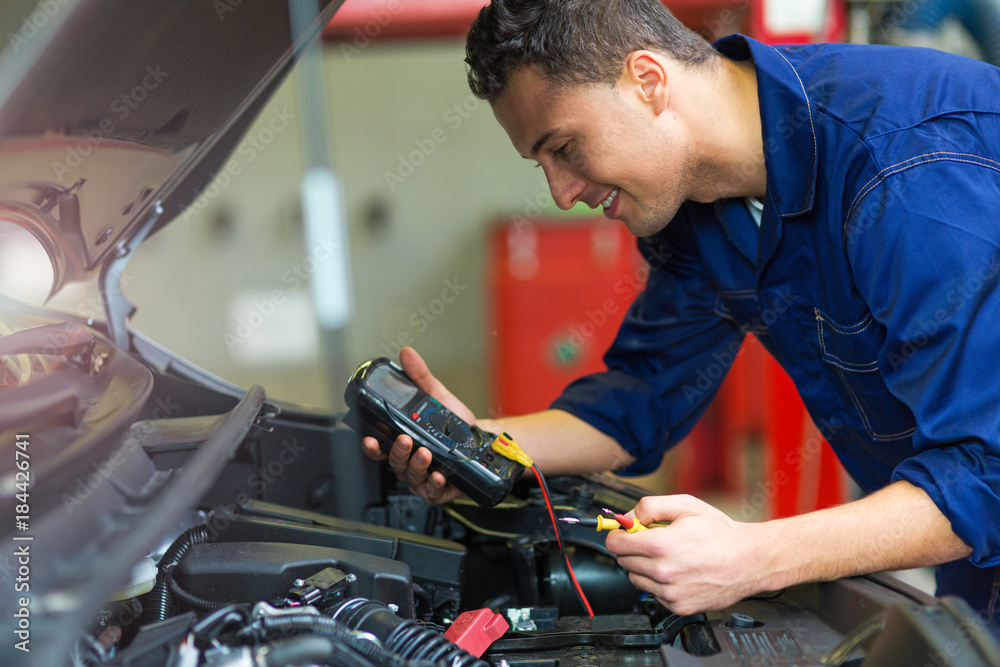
563,150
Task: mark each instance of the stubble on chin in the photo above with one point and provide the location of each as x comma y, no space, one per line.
654,219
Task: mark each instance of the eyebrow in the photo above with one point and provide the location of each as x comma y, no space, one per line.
541,142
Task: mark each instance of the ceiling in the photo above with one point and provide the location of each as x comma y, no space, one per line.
361,21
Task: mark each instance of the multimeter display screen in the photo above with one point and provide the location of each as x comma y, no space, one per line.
393,388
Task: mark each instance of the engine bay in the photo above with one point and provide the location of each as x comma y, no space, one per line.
226,529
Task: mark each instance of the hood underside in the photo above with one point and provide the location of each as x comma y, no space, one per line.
113,114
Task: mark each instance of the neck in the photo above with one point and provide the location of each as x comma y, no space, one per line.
732,145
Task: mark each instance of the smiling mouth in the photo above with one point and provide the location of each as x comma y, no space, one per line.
611,197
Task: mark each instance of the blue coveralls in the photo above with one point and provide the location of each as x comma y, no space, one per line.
873,280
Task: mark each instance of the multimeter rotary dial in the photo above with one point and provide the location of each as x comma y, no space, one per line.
449,427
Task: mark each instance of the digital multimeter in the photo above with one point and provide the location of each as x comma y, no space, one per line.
386,399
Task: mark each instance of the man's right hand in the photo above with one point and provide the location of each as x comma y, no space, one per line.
432,487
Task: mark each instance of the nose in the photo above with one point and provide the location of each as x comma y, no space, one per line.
565,186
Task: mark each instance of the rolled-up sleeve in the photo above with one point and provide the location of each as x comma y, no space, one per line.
925,250
668,358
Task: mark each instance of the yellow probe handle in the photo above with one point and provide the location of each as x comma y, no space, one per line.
604,523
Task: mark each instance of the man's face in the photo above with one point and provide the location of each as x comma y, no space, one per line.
599,145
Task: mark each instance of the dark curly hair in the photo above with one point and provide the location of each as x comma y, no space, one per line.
572,41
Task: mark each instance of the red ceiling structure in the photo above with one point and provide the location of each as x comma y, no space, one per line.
358,20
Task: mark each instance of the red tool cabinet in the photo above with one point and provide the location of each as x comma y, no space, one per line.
559,290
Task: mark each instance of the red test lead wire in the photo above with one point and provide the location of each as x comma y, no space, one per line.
555,527
506,447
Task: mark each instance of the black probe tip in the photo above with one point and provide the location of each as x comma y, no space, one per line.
577,521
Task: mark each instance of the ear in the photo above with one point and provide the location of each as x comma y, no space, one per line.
646,74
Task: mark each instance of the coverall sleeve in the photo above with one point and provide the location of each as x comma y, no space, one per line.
668,358
925,251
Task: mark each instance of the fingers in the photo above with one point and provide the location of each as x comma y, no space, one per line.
435,490
415,367
372,450
399,456
665,509
623,546
414,470
642,543
431,486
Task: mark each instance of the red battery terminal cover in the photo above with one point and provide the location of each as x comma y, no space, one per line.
475,630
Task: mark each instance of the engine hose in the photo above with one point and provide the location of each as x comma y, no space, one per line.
158,604
189,599
301,651
402,636
333,630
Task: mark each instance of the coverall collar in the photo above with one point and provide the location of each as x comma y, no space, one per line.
787,124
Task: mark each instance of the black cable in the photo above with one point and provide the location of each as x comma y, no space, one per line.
158,605
191,600
219,619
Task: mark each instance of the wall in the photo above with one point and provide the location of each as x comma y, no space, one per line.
425,168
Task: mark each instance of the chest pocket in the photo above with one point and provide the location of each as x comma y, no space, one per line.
852,351
740,307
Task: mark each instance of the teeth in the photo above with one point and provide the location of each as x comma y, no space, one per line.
607,202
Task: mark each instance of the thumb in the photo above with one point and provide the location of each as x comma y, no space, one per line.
416,368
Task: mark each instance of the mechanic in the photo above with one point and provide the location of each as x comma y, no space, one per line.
840,202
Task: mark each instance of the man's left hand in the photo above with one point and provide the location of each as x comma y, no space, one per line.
700,562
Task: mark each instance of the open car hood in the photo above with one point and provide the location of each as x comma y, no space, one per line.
114,116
